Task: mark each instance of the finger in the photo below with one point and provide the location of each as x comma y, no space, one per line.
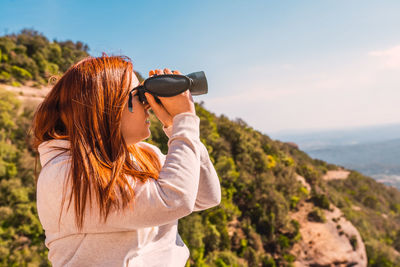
150,99
151,72
188,95
157,108
159,72
176,72
167,71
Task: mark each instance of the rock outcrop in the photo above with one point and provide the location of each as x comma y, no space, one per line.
335,242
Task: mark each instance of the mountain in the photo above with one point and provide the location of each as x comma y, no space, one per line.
373,150
279,207
380,160
316,139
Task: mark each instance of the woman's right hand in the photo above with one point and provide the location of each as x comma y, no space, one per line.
170,106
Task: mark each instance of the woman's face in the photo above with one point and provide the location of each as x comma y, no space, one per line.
135,126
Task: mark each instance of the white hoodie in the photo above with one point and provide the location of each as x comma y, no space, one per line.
146,235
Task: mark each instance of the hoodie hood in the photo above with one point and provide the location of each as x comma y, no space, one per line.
49,150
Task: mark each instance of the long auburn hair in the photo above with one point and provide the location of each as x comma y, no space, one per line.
85,107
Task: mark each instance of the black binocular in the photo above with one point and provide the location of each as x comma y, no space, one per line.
167,85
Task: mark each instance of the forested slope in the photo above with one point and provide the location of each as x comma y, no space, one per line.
30,57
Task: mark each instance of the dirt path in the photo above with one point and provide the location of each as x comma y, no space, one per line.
30,96
27,91
336,175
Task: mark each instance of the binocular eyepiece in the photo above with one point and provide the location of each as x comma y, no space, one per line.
168,85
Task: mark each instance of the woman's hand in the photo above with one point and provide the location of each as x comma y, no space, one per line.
170,106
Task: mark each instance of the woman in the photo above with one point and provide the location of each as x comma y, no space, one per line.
104,197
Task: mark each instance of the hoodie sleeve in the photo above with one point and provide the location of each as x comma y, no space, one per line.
157,202
209,192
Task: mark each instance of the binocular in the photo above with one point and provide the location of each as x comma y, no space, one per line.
167,85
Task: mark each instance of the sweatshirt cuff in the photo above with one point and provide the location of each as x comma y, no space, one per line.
187,124
168,131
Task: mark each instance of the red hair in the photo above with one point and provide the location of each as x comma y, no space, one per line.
85,107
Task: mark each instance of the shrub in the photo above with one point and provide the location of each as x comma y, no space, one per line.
224,258
316,215
320,200
20,73
293,201
5,76
268,261
353,242
16,84
370,201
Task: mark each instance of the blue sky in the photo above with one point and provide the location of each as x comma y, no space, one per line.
278,65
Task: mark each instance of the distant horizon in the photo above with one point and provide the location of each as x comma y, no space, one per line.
345,128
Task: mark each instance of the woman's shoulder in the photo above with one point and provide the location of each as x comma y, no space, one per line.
151,147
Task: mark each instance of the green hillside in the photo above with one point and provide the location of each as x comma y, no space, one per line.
30,56
251,227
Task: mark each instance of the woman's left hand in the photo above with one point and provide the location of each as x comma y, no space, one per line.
161,113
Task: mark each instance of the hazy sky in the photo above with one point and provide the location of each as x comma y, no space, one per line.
276,64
